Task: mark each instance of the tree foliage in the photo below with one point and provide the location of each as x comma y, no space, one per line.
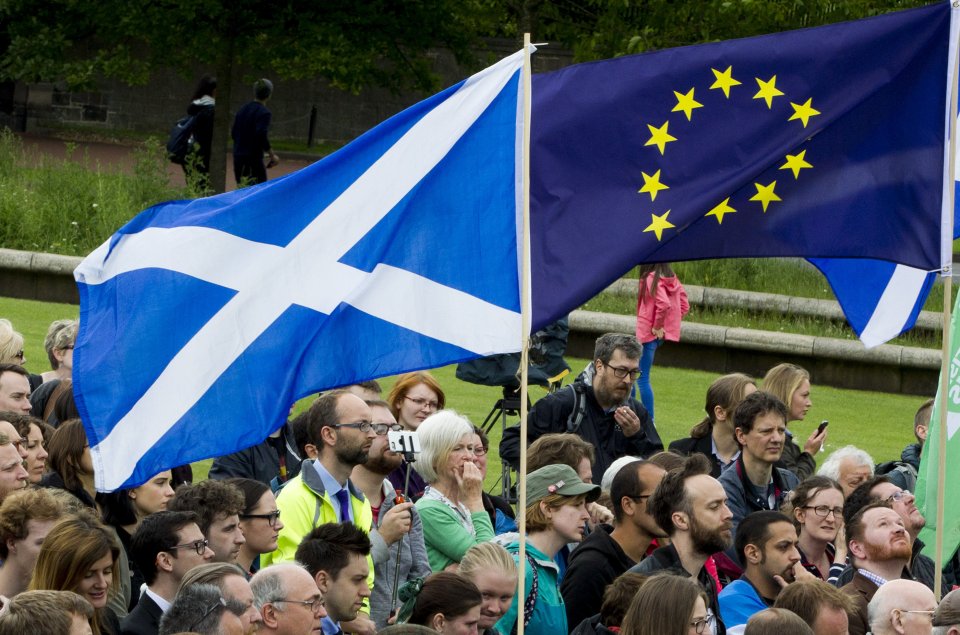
351,44
600,29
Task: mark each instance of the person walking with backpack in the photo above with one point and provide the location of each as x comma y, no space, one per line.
201,108
556,514
661,305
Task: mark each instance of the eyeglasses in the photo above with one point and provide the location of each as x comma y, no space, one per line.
927,614
620,373
897,496
19,355
271,517
365,427
479,450
704,623
197,545
824,510
213,607
420,403
641,497
315,604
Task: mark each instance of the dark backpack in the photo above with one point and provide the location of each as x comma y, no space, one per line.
180,142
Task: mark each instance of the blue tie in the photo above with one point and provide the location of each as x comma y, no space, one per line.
343,498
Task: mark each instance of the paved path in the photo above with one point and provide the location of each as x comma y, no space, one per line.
121,156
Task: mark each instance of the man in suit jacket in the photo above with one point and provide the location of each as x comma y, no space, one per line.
880,548
165,546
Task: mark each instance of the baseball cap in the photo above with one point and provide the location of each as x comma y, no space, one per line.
948,611
558,479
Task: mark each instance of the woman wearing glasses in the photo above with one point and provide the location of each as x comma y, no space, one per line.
412,399
668,604
451,508
818,513
259,521
80,555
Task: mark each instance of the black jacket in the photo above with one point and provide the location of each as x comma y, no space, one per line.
592,626
801,463
594,564
144,619
597,428
260,462
667,559
703,445
911,455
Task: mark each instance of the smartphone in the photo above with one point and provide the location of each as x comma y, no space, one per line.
823,425
404,442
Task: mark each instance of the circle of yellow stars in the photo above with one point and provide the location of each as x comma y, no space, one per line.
686,103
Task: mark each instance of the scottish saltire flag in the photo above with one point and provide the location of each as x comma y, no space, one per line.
826,142
202,321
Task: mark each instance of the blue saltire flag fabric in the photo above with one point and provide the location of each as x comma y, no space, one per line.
827,142
202,321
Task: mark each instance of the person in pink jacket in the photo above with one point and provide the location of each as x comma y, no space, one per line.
661,304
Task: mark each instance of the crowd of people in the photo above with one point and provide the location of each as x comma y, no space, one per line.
324,528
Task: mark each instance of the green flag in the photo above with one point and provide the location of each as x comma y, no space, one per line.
926,490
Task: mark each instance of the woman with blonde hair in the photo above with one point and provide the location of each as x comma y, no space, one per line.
668,604
11,351
80,555
556,515
412,399
490,567
451,509
791,384
713,437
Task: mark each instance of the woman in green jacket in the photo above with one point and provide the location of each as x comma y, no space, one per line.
451,508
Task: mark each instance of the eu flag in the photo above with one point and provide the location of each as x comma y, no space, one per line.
826,142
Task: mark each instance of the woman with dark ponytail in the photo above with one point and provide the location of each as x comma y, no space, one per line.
713,436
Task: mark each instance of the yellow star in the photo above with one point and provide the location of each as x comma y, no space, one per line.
658,224
765,194
796,162
720,210
803,112
659,136
768,90
652,185
686,104
724,81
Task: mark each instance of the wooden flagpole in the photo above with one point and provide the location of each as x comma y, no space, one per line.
525,319
947,344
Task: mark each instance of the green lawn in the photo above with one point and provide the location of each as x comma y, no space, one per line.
880,423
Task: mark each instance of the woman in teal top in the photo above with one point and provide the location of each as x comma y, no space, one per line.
556,515
451,509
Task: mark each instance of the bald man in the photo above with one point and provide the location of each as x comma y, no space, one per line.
902,607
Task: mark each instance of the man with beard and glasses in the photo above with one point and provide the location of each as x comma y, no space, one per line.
879,488
767,546
340,425
880,548
599,409
691,507
610,550
396,526
753,483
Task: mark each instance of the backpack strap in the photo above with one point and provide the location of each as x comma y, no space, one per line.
531,600
579,408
